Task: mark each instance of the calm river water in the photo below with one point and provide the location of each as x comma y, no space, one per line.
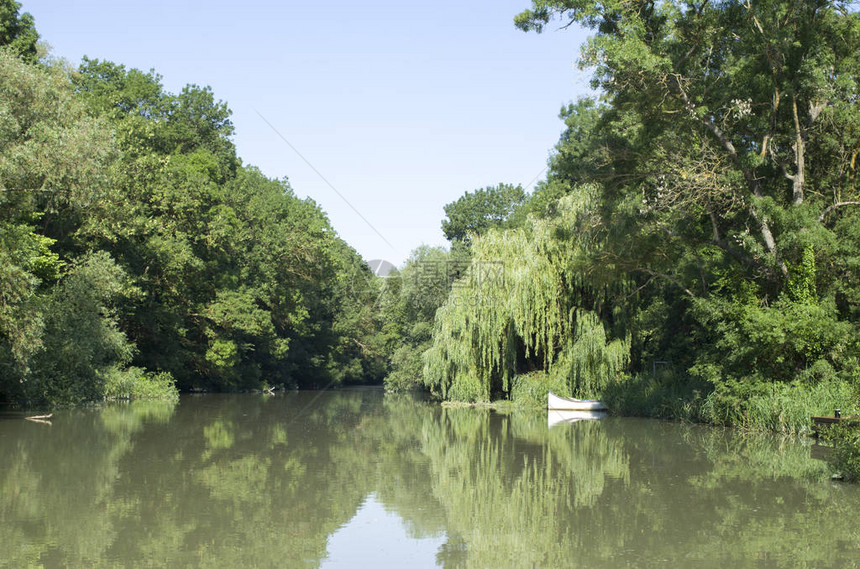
356,479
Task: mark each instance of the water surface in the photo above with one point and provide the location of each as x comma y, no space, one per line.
356,479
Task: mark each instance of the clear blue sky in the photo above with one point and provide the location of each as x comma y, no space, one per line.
401,106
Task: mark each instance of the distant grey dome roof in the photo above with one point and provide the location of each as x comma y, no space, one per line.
381,267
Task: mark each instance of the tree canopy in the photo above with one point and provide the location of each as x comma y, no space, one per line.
720,152
476,212
138,250
18,31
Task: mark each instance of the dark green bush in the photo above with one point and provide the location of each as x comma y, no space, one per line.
845,459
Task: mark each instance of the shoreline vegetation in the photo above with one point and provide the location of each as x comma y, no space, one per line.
693,253
140,257
684,259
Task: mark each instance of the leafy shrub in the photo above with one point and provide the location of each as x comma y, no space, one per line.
785,341
530,389
846,451
82,344
406,367
134,383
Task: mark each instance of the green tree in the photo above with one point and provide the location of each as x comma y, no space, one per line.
528,303
52,162
722,111
408,303
195,266
83,352
26,262
244,284
18,31
724,148
475,212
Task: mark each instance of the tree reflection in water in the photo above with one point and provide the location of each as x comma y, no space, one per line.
254,481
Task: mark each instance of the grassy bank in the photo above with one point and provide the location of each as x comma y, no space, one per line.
778,407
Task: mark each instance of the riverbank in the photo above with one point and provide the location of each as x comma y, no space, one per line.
782,408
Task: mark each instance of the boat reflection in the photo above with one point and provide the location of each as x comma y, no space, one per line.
556,417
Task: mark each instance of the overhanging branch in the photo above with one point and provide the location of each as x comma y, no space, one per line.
833,207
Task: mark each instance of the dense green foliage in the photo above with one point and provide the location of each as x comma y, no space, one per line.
408,301
725,147
712,256
17,31
525,305
845,441
59,334
476,212
135,246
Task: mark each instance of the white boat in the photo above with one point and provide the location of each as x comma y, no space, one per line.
562,416
565,403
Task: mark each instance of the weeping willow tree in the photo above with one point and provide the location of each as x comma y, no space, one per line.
529,307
